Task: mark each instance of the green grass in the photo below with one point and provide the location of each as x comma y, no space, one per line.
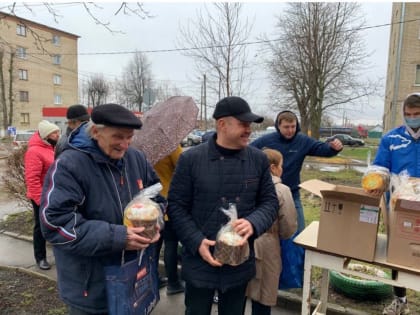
358,153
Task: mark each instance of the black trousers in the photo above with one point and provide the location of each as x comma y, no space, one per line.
170,253
398,291
40,251
198,301
260,309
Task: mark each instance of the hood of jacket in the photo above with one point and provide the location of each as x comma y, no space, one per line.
276,125
414,134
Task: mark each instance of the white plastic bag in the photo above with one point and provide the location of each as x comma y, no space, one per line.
143,211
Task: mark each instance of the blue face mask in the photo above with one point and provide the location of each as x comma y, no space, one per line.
413,122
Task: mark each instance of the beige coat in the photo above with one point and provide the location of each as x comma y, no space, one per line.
263,287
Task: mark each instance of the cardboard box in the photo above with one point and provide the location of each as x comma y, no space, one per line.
349,220
404,234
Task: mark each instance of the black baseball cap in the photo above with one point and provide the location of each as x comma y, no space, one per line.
236,107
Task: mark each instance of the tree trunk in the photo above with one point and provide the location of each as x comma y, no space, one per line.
3,93
11,103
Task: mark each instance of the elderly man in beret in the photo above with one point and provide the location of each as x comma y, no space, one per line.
84,196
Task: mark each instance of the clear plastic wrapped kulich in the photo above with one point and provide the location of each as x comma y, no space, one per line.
376,178
142,211
230,247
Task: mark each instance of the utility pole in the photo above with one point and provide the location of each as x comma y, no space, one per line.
205,101
201,106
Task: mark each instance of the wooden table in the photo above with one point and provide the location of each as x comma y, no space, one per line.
407,277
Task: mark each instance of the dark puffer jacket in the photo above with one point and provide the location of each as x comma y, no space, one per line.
203,182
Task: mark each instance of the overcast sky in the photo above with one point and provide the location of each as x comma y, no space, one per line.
160,33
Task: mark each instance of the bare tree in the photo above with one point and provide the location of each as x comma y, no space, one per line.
92,10
6,88
217,43
97,89
137,77
318,59
165,90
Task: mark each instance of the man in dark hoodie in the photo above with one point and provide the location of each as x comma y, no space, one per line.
76,115
295,146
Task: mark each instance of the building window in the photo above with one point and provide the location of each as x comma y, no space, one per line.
21,52
57,79
23,74
21,30
57,59
24,96
56,40
24,118
417,75
57,99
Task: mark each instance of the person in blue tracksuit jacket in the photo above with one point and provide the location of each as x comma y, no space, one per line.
399,150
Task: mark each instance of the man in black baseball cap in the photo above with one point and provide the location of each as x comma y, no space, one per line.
236,107
220,172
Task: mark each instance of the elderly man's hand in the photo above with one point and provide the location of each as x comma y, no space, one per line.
336,145
204,251
136,242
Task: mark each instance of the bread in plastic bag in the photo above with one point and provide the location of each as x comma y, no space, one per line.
404,187
143,211
230,248
376,178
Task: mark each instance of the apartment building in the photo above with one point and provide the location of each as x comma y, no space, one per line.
44,69
403,75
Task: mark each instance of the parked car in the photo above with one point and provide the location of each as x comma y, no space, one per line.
21,138
207,135
346,140
191,139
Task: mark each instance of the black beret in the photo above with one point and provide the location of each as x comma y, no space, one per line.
115,115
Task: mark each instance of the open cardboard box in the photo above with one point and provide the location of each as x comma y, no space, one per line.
349,219
404,234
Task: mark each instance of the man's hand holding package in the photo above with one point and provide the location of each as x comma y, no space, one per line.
136,242
204,251
244,228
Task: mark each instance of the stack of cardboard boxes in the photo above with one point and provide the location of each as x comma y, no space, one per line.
349,222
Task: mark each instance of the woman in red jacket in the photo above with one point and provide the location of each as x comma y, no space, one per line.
38,158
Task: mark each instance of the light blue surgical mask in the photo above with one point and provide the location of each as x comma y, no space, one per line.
413,122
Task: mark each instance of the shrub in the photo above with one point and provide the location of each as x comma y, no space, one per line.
14,181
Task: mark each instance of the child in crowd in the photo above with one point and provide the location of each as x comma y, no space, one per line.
262,289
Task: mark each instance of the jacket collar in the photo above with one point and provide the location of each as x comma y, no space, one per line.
215,154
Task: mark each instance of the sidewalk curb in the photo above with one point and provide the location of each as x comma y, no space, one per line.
29,271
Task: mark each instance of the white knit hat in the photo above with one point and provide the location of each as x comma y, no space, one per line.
45,128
